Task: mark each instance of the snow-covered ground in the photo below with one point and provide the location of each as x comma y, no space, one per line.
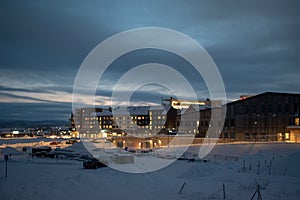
274,167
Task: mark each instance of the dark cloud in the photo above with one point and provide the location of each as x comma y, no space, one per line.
35,111
3,88
255,44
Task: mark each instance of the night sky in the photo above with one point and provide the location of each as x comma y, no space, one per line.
255,44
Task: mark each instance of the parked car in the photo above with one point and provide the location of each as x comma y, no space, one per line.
65,153
55,143
44,154
71,141
41,149
93,164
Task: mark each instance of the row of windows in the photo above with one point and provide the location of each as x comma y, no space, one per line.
143,127
264,108
117,118
227,135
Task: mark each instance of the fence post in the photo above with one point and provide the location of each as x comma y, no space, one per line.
224,194
6,159
270,167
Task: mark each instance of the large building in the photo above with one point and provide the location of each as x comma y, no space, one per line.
264,117
141,120
121,121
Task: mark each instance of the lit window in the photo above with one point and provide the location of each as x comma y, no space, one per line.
297,121
287,136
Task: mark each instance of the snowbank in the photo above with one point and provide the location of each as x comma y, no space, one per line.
64,179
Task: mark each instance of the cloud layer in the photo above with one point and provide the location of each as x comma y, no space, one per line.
255,44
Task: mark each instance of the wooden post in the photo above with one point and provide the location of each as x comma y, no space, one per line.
6,159
270,167
224,194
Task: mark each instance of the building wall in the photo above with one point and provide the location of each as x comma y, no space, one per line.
188,122
263,117
140,122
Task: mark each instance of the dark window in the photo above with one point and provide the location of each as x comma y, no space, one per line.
225,135
287,108
206,123
232,122
229,110
270,108
262,108
279,108
296,109
292,120
226,122
232,136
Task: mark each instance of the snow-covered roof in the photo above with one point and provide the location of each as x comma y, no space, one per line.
100,114
132,110
156,108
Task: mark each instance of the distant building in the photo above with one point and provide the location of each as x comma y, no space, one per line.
121,121
268,116
82,117
188,119
169,118
72,127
